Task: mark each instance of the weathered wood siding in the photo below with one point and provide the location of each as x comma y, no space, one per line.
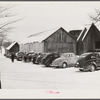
89,42
60,41
35,46
15,48
92,37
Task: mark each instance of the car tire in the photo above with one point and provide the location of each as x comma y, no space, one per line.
47,64
64,65
92,68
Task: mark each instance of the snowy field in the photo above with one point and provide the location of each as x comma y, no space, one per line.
20,75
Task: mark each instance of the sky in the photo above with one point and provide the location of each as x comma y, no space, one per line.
44,15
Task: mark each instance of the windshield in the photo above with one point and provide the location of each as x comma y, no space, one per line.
67,55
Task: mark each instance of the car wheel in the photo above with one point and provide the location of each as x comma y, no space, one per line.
47,65
64,65
92,68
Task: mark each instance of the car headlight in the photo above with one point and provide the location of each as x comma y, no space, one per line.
77,63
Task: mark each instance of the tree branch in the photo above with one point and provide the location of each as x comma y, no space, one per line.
8,23
2,8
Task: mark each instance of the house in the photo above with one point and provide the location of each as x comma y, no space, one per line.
13,47
53,40
88,40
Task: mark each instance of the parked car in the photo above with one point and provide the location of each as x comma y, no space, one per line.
49,59
19,56
8,55
89,61
34,57
44,58
39,58
28,57
66,60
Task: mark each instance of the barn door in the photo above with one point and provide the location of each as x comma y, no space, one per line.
97,45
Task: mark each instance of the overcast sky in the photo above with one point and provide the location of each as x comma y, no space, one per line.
41,16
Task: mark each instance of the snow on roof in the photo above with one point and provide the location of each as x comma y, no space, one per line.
9,47
80,34
39,37
88,28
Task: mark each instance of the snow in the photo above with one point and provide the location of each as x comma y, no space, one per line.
39,37
20,75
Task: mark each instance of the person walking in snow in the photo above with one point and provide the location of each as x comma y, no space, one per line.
12,57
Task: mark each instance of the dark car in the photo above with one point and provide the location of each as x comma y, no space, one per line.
19,56
39,58
8,55
28,57
34,57
49,59
89,61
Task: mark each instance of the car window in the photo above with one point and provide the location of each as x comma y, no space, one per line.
73,55
99,55
67,55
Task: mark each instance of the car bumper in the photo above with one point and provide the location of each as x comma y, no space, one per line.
54,65
84,69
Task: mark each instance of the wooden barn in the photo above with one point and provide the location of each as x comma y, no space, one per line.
14,47
54,40
75,33
88,40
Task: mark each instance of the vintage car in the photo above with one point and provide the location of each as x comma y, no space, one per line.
19,56
39,58
47,60
34,57
8,55
44,58
28,57
66,60
89,61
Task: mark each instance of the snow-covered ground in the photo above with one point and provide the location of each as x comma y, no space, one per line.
20,75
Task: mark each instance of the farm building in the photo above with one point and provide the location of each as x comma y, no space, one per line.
88,40
54,40
14,47
75,33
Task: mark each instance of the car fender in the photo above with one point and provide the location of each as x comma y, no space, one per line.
63,62
94,63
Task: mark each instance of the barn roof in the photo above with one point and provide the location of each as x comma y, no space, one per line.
85,32
40,37
82,34
9,47
75,33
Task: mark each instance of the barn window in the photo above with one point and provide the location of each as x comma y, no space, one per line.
97,45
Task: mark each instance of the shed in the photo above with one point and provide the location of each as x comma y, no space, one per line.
53,40
88,40
13,47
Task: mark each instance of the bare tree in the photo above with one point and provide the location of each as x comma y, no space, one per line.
96,17
5,26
